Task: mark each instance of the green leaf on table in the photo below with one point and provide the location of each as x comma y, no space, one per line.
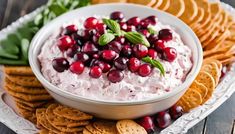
105,39
113,25
14,39
57,9
155,63
8,47
25,32
4,61
38,20
137,38
24,48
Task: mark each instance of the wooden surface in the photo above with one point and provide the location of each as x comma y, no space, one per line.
221,121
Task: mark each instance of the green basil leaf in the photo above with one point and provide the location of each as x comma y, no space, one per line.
14,39
24,48
137,38
155,63
105,39
151,30
57,9
113,25
38,20
8,47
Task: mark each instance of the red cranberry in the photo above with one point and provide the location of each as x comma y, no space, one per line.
117,16
159,45
152,53
152,19
145,70
87,34
65,42
169,54
115,76
73,50
145,33
90,23
126,50
144,24
115,46
82,57
96,56
165,34
60,64
135,21
120,39
77,67
121,63
147,123
77,38
134,64
89,48
95,38
153,38
70,29
140,50
163,119
108,55
130,28
224,71
106,68
176,111
101,27
123,26
95,72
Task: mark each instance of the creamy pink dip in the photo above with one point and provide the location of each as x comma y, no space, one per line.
133,87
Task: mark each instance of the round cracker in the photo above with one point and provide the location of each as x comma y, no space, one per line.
85,131
200,88
165,5
129,127
177,7
198,18
190,12
158,3
206,79
212,69
149,3
91,129
106,127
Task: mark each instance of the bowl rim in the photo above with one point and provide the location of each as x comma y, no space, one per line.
52,88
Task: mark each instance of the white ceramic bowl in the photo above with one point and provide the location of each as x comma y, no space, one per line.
108,109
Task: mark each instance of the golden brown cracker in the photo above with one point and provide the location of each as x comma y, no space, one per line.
91,129
29,115
190,100
158,3
71,113
206,79
197,19
165,5
27,81
149,3
129,127
30,104
106,127
85,131
177,7
61,121
200,88
110,1
22,89
22,106
18,70
190,12
212,69
28,97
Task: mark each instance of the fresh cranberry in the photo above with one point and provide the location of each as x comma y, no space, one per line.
86,34
152,19
90,23
106,68
96,56
140,50
152,53
82,57
145,32
147,123
159,45
78,39
115,46
60,64
95,38
130,28
163,119
95,72
101,27
176,111
145,70
224,71
121,63
123,26
120,39
117,16
89,48
115,76
70,29
135,21
108,55
134,64
169,54
152,38
144,24
65,42
165,34
77,67
73,50
126,51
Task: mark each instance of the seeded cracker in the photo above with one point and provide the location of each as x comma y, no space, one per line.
129,127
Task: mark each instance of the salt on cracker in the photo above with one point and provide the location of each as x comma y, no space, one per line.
129,127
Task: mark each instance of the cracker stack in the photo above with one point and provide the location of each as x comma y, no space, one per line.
26,90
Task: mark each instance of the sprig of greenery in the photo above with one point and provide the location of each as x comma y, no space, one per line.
155,63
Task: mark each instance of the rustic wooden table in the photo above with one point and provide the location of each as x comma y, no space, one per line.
221,121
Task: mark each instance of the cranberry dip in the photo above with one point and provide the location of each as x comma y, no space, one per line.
111,58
